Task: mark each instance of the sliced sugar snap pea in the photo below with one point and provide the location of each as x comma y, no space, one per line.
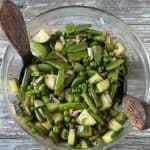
97,54
78,47
60,81
39,50
82,27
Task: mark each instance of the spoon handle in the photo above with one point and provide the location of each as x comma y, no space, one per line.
13,25
138,112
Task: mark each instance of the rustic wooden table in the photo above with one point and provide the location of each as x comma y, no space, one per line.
136,13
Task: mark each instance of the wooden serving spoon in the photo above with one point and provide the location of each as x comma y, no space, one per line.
13,25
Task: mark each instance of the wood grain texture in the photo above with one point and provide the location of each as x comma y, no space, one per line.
136,13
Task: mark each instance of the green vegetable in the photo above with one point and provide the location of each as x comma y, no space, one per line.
106,102
120,49
41,37
58,118
64,134
26,79
94,97
38,116
77,81
82,27
52,107
113,76
99,38
60,81
67,106
72,136
97,54
95,79
114,64
85,119
94,32
77,47
59,64
39,50
89,102
58,46
70,28
103,85
50,81
38,103
14,85
83,144
78,67
113,89
84,131
47,125
34,68
77,56
120,117
108,136
114,125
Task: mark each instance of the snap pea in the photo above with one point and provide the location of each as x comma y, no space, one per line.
77,47
70,28
26,79
60,81
113,89
89,102
94,32
69,80
58,64
82,27
114,64
99,38
67,106
78,67
97,54
77,81
113,76
45,67
94,97
51,56
39,50
77,56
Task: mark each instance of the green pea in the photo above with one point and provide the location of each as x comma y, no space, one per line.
66,119
29,87
55,129
77,99
81,73
99,69
66,113
42,87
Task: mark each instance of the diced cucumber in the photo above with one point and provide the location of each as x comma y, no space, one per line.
14,85
52,107
84,131
50,81
85,118
120,117
64,134
71,136
95,79
108,136
106,102
38,103
58,46
47,125
83,144
120,49
103,85
57,118
41,37
114,125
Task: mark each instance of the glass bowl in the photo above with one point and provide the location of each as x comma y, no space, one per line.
55,19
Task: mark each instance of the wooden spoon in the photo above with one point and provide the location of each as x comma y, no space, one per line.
13,25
